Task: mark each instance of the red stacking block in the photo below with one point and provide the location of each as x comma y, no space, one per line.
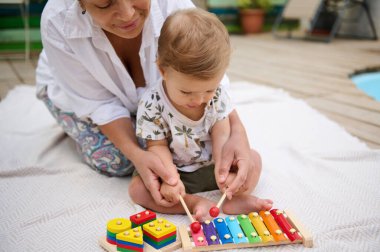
141,218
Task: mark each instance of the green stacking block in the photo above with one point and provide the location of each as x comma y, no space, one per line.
110,234
158,244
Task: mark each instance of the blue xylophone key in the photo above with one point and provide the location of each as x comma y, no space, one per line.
223,231
235,229
210,233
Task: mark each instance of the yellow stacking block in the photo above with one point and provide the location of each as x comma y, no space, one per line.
134,235
260,227
118,225
159,227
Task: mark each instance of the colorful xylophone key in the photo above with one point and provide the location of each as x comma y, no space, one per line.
260,227
199,238
210,233
223,231
272,226
286,227
249,230
235,229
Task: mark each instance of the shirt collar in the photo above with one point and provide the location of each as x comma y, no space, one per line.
75,24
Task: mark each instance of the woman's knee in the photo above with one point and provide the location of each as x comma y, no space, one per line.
108,160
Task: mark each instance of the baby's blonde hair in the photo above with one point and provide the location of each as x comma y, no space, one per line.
194,42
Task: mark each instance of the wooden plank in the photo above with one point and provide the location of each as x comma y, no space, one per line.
7,73
25,71
366,132
279,82
364,102
314,55
348,111
310,51
303,78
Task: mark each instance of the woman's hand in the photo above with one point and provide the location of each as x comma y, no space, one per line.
236,157
122,134
151,170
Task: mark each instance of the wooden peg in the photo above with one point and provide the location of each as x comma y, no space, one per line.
195,225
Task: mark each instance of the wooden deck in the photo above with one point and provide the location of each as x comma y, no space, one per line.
315,72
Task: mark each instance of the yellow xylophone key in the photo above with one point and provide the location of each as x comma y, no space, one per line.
272,226
260,227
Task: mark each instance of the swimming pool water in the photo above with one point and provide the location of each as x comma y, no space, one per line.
369,83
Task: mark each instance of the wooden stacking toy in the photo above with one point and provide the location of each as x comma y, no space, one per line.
159,233
140,230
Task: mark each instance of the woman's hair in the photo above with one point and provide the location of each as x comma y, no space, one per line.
194,42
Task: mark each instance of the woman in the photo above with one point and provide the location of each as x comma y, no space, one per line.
98,56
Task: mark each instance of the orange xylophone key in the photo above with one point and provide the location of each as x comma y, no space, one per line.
272,226
290,231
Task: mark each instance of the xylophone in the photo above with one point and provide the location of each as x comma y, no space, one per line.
266,228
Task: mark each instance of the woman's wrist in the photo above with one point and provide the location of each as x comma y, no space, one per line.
134,154
236,125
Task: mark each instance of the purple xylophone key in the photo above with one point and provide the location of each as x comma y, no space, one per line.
210,233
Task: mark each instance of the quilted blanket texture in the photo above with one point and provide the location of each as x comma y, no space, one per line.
51,201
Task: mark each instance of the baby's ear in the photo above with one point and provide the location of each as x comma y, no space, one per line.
161,69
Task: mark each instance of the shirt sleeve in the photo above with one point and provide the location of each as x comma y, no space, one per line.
222,103
85,95
150,123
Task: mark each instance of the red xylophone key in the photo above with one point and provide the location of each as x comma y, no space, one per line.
290,231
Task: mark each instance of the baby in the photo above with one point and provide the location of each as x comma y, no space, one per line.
184,118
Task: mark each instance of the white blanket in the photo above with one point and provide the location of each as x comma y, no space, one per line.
51,201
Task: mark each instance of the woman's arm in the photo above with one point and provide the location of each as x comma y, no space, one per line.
220,133
150,167
236,152
161,149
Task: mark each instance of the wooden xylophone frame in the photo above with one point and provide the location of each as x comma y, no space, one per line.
307,239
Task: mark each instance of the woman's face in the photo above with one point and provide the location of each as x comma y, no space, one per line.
124,18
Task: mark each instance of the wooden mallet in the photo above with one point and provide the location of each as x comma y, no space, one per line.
214,211
195,225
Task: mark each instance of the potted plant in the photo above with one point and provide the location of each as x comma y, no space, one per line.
252,13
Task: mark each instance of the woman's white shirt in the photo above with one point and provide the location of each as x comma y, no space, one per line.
80,67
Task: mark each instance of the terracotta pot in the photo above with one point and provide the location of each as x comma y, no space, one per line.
252,20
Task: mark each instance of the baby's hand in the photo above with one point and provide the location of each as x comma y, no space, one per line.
171,193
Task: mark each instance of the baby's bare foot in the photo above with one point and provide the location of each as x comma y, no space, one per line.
201,209
244,204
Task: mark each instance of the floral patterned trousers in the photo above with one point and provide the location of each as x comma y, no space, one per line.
95,148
